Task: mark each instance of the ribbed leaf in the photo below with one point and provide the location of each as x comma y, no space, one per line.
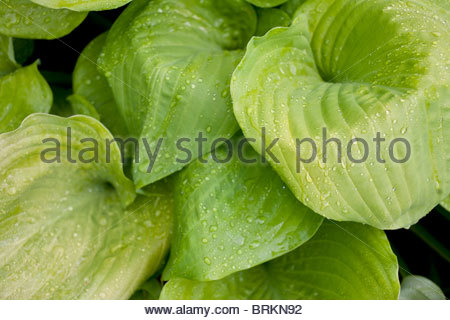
233,216
342,261
89,83
329,70
266,3
7,61
82,5
22,93
420,288
25,19
169,63
64,229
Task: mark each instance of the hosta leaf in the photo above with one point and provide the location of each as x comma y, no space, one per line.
89,83
342,261
266,3
7,61
25,19
271,18
64,231
291,6
22,92
83,5
169,63
233,216
330,71
420,288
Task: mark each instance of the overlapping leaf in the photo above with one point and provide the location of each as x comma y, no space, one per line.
169,63
420,288
65,232
82,5
92,85
7,61
342,261
22,93
25,19
233,216
329,70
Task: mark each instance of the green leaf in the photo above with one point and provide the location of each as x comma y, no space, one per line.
329,70
82,5
420,288
150,290
342,261
269,19
446,203
7,62
443,3
292,6
169,63
22,93
233,216
89,83
25,19
65,232
266,3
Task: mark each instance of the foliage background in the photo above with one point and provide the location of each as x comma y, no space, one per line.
421,250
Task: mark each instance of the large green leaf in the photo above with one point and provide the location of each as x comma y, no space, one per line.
169,63
233,216
329,70
420,288
25,19
89,83
342,261
22,93
82,5
7,61
266,3
65,232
